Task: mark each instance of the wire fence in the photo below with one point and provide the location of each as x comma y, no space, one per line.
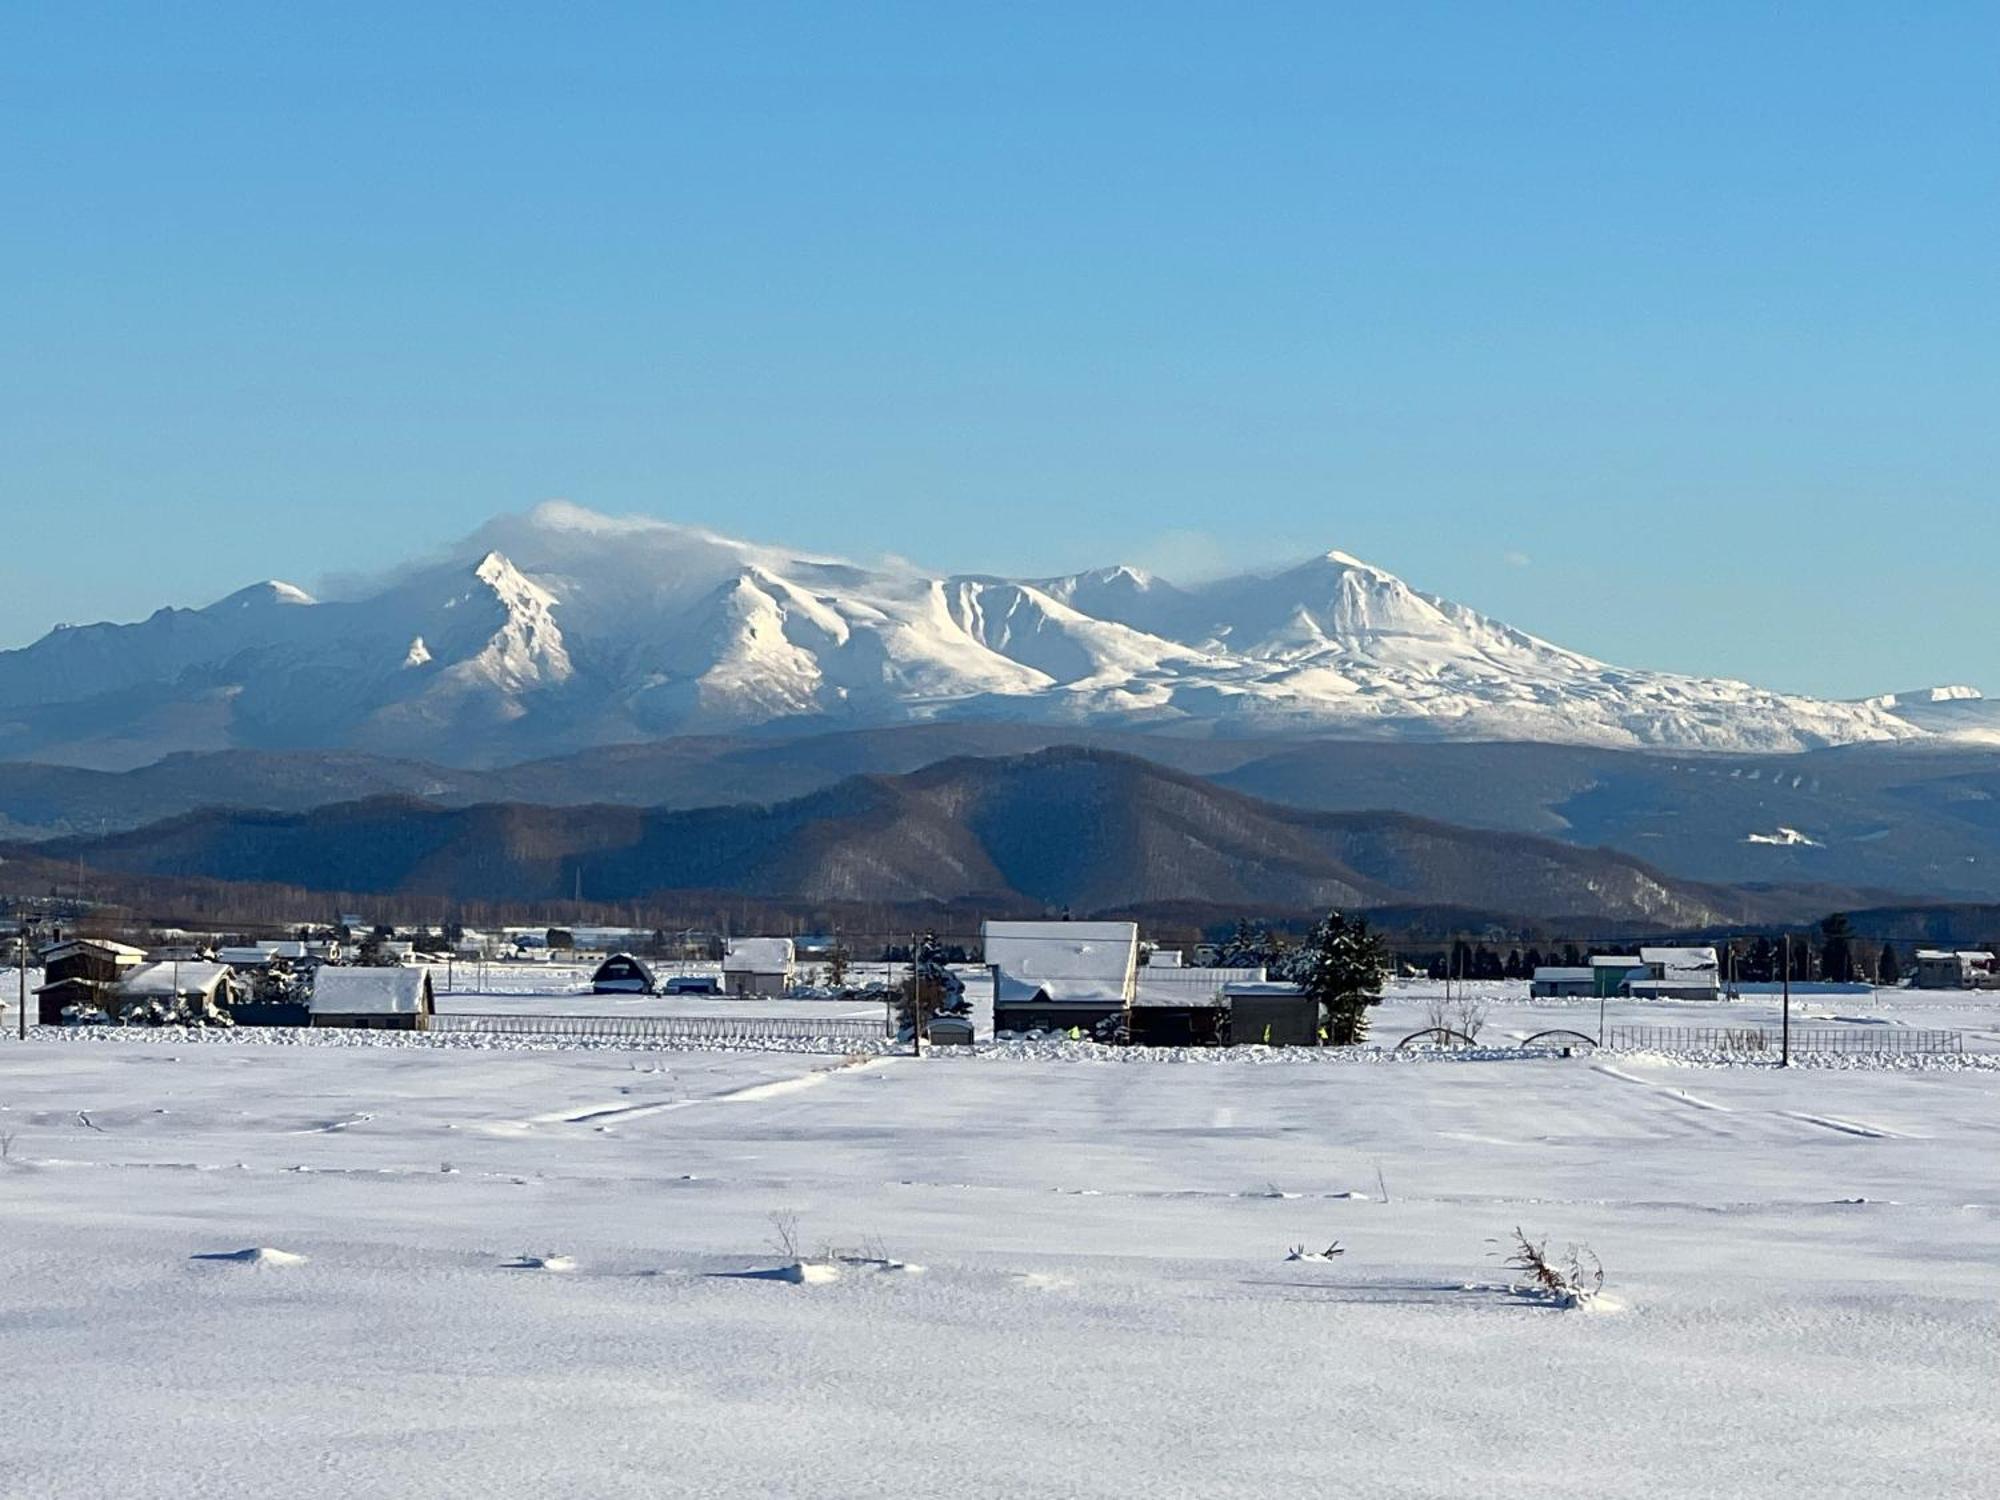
1845,1040
803,1030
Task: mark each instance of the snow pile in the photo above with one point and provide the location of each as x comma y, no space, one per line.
256,1255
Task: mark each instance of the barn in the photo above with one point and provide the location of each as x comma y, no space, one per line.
83,973
622,974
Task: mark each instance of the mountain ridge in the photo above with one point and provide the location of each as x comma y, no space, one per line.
1066,827
562,630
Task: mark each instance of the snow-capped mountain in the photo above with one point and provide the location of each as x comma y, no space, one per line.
562,629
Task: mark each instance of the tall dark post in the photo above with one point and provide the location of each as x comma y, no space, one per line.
1785,1047
21,968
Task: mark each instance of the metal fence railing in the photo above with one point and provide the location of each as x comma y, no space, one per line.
804,1030
1847,1040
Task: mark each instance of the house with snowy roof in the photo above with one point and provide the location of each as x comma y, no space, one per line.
1060,975
1184,1007
1677,974
1555,980
184,987
759,966
1953,969
379,999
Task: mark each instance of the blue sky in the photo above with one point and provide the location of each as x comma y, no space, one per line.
1667,332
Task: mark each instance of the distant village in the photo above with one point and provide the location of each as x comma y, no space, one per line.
1097,979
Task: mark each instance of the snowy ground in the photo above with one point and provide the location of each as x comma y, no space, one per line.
1803,1267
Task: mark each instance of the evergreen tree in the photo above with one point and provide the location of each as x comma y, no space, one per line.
1342,965
930,990
1887,970
1572,959
1802,961
1836,956
1761,966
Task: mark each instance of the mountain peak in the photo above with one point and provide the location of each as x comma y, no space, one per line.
272,591
1349,560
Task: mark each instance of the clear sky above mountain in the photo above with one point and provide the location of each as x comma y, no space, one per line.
1667,336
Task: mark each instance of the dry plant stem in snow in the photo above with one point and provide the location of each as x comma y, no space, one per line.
1573,1280
785,1234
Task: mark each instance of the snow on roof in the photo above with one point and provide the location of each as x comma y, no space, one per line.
1188,986
1548,975
761,955
1164,958
1616,961
122,952
1252,987
170,979
1064,960
1963,955
369,992
1682,960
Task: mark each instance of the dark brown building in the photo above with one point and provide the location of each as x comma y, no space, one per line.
82,972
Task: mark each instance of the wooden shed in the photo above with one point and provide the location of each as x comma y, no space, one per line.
381,999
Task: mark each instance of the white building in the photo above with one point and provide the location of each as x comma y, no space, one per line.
759,966
1953,969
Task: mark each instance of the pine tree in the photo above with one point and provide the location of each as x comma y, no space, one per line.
1342,965
1887,970
1461,960
1836,960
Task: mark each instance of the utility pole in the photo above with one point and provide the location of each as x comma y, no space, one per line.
916,1002
21,968
1785,1046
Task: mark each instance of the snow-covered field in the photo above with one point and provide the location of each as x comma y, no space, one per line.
535,1272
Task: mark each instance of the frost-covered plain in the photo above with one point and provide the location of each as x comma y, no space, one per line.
524,1273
